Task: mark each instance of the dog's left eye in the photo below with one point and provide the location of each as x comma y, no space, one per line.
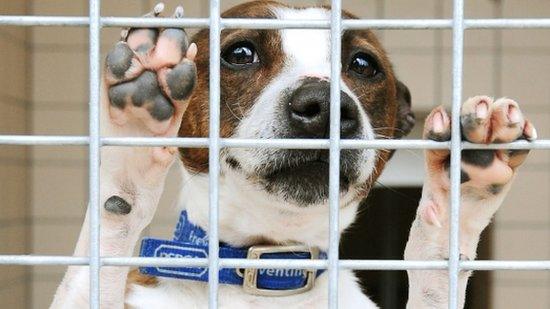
241,53
364,65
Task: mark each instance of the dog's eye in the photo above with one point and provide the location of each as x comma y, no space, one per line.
241,53
364,65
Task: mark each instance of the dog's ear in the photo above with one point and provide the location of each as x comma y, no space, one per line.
405,116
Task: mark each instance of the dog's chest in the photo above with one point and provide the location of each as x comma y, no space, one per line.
170,293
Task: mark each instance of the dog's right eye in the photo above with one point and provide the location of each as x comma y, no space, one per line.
241,53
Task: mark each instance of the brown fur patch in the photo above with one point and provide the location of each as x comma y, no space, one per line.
135,277
239,88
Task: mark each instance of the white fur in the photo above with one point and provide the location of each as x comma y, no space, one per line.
188,294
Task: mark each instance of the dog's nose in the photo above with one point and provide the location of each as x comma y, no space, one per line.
309,111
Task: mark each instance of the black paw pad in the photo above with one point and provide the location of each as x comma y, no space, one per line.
148,39
480,158
160,108
119,60
470,122
146,88
464,177
181,80
439,137
144,91
117,205
177,35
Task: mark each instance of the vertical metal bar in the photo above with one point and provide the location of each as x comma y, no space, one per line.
334,150
458,53
94,152
214,154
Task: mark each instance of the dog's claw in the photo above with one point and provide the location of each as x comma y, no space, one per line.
157,9
179,12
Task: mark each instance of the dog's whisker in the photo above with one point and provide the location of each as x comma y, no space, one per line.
231,111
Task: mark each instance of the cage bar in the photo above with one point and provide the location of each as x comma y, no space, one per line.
454,214
242,23
51,260
215,23
37,140
334,151
214,155
94,152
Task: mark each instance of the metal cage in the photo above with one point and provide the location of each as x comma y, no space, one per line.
336,25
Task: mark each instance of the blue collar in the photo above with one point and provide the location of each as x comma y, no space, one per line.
191,241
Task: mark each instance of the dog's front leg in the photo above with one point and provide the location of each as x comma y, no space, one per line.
486,177
148,78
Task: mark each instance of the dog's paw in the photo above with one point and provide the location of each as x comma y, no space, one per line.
485,174
149,75
148,78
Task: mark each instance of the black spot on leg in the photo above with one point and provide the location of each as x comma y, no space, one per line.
181,80
119,60
495,188
480,158
117,205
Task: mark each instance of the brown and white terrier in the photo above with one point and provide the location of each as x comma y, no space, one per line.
275,84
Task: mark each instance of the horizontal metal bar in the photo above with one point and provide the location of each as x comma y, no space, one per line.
487,265
156,141
18,20
42,260
189,142
397,24
507,23
243,23
505,265
154,22
51,140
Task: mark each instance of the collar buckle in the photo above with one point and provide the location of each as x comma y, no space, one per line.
250,275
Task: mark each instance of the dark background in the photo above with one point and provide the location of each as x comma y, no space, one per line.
381,231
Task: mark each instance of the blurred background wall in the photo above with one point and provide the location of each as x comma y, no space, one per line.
43,90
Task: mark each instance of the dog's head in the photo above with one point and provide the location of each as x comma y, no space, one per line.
276,84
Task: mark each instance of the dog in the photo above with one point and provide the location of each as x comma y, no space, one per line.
274,202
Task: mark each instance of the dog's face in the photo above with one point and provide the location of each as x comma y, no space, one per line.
276,84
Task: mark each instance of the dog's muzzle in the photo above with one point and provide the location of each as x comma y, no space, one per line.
301,176
308,112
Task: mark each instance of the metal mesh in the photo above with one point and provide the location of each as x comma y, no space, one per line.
336,25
